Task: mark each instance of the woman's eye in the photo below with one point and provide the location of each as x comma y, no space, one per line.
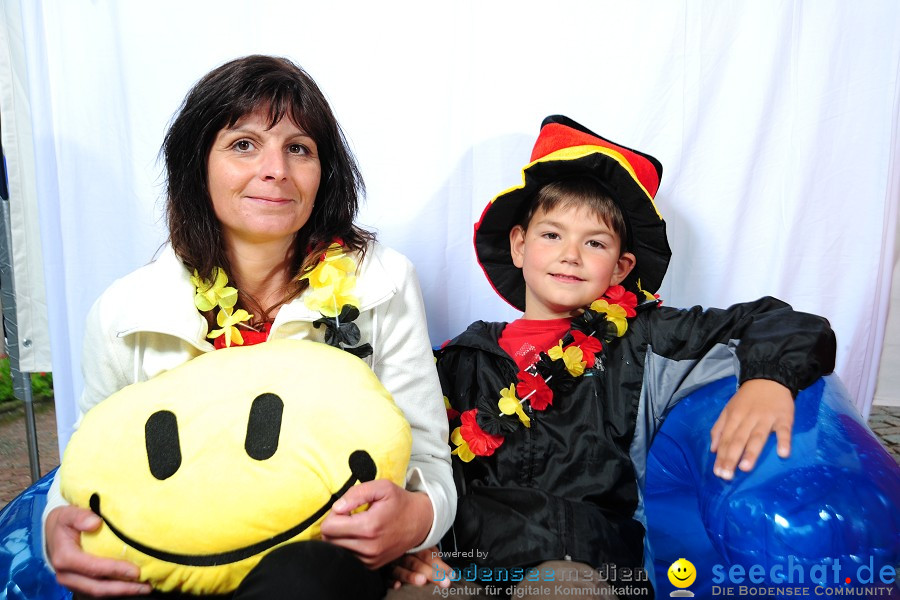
297,149
243,146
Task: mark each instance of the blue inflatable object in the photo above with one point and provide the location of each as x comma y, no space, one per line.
829,512
21,554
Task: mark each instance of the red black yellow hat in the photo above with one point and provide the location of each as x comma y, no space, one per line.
564,148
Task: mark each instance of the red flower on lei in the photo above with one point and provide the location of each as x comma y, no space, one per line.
479,441
590,347
619,295
535,389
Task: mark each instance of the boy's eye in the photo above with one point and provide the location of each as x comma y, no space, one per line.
596,244
550,235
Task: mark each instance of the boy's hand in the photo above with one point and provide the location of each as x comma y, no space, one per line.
758,408
420,568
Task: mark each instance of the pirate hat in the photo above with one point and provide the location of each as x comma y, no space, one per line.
564,148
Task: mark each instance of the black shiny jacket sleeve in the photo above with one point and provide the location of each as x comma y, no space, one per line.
770,339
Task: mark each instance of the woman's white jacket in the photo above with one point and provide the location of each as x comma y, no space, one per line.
146,323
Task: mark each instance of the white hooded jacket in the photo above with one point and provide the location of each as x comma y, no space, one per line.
146,323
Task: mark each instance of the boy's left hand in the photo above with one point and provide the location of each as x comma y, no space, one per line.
420,568
759,407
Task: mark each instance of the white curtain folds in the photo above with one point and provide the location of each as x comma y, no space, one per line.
33,343
776,122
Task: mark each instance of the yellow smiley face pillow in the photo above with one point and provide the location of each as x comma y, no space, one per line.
201,471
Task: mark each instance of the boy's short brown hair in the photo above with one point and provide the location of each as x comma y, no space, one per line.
580,192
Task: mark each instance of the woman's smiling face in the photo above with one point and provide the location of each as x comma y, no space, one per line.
262,180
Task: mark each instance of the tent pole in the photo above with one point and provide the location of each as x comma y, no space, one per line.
21,381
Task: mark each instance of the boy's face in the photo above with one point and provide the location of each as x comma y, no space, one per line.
569,257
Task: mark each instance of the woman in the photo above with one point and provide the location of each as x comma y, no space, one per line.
261,187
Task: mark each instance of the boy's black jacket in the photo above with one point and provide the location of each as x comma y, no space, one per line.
567,487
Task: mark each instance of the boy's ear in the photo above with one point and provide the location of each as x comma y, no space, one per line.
517,245
624,266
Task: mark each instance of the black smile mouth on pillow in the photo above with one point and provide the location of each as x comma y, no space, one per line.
362,468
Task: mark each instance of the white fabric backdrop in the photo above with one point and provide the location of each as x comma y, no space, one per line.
887,390
18,141
776,122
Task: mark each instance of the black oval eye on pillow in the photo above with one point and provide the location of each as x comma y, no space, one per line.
264,426
163,446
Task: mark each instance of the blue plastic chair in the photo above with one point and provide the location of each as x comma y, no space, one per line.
837,498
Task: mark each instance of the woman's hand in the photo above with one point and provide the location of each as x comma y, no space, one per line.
420,568
757,409
395,521
82,572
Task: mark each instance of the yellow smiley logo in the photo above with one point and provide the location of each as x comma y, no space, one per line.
682,573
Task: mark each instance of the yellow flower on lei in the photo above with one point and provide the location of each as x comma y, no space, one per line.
646,295
209,295
573,358
462,449
334,266
331,283
509,404
615,314
228,322
329,299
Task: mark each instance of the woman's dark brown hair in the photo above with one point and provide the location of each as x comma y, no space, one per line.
219,100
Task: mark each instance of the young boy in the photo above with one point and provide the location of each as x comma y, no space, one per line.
556,410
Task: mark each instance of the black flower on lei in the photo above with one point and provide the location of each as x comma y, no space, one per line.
341,332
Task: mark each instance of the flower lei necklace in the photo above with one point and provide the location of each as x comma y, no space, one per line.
485,427
218,293
331,284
